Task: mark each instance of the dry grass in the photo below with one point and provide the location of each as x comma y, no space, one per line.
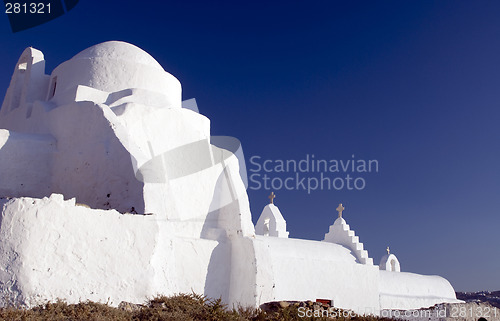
182,307
60,311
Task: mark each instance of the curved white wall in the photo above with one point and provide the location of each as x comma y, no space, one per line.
405,290
309,270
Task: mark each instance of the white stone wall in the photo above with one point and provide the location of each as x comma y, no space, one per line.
310,270
403,290
53,249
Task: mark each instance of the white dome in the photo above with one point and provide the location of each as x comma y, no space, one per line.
118,50
110,67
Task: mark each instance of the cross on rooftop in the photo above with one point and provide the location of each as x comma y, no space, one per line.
388,250
340,209
271,198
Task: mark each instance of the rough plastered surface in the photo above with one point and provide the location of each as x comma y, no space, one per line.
112,191
53,249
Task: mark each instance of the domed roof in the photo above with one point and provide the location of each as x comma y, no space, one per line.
118,50
111,67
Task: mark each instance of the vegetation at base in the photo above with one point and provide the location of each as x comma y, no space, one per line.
182,307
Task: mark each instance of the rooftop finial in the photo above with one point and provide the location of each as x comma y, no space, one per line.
340,209
388,250
271,198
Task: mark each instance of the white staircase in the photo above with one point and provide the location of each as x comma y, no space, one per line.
340,233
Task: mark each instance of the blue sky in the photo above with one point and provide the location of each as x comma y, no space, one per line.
413,85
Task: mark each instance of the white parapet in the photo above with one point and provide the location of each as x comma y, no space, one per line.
54,249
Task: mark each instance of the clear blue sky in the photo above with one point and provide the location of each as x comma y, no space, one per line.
414,85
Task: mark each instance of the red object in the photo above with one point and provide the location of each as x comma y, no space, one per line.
325,301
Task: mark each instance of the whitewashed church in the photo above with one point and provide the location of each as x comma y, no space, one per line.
112,190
